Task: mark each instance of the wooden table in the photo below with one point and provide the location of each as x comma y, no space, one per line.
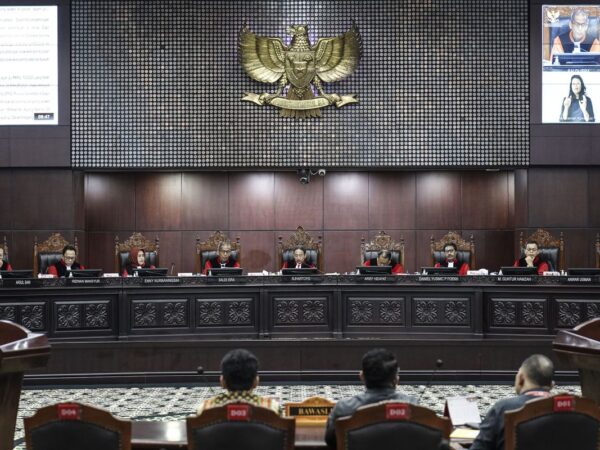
172,435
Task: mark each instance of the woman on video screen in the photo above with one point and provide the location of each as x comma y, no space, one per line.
577,107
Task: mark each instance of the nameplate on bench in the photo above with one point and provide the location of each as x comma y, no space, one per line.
228,279
376,278
303,278
21,282
313,409
86,281
525,279
580,279
164,281
438,278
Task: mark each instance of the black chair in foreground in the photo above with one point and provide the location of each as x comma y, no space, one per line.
554,423
75,426
240,426
393,426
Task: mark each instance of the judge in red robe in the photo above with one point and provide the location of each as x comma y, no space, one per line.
450,250
532,258
384,258
223,258
299,260
137,260
4,264
67,263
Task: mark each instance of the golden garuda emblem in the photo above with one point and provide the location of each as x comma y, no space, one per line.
299,67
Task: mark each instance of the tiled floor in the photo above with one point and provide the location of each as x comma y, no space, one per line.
177,402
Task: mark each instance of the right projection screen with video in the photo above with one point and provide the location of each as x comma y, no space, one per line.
570,63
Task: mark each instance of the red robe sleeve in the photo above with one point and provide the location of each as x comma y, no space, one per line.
398,268
52,271
463,269
543,267
207,267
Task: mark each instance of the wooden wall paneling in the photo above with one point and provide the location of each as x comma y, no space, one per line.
493,248
392,200
258,250
40,146
205,201
342,250
346,201
297,203
521,199
110,202
45,199
6,204
594,196
438,200
170,249
570,146
510,180
21,248
4,152
101,249
158,201
485,200
79,200
251,201
579,250
558,197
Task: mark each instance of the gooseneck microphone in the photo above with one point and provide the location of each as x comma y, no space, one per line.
438,364
172,268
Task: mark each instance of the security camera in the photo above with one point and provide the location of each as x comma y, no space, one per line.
304,176
321,172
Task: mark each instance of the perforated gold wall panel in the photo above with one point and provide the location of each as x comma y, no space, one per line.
158,85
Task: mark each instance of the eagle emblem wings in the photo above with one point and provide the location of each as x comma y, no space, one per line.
300,67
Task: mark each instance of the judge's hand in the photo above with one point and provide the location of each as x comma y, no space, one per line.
529,261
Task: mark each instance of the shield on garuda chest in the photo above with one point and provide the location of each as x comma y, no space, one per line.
300,68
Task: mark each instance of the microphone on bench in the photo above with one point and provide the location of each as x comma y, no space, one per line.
438,364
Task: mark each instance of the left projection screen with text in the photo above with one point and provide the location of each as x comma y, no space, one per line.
28,65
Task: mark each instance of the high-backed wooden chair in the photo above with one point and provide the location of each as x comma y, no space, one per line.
300,238
240,426
208,249
136,240
49,252
465,253
392,426
552,249
75,426
554,423
5,247
382,241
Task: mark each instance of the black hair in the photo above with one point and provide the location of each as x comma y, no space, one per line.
451,244
68,247
380,368
385,253
539,369
531,241
299,247
582,92
239,368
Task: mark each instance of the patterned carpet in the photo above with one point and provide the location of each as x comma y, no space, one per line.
176,402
